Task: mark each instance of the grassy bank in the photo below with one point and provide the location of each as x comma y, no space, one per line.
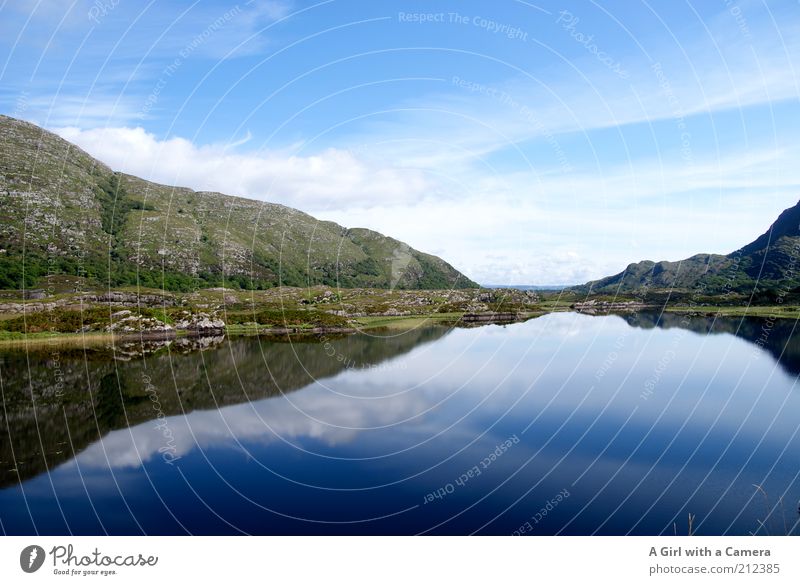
775,312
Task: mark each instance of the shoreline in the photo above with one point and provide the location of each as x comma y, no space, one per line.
89,339
315,311
366,323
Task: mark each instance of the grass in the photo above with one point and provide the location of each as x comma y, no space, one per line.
71,321
775,311
404,321
58,340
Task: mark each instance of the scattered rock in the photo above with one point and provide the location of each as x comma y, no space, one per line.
138,323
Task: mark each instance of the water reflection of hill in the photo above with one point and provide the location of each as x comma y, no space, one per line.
58,403
779,337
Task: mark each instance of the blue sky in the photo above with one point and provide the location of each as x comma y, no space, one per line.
526,143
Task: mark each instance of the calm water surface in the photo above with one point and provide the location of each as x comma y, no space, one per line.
566,424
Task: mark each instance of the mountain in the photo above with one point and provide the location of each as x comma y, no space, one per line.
770,263
66,212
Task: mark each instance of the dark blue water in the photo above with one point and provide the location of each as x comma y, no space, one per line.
566,424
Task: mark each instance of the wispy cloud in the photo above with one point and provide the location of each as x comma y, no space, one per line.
84,111
698,78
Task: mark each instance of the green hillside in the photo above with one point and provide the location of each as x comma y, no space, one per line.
63,212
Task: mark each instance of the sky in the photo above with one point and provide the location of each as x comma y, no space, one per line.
525,143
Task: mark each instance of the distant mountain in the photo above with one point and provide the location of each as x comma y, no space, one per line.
542,287
65,212
770,263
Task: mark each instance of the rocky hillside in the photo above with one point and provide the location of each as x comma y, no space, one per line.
66,213
768,265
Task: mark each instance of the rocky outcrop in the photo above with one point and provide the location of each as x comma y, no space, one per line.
200,322
119,299
129,299
594,306
125,322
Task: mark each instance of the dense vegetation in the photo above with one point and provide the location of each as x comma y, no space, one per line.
71,321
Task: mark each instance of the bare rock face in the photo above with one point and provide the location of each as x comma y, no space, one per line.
200,322
486,297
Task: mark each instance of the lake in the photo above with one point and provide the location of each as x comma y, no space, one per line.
565,424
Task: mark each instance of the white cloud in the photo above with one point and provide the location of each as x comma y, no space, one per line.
517,227
333,177
333,412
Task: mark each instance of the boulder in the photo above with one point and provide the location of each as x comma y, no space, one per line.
200,322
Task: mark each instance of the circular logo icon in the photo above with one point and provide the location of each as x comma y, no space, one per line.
31,558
